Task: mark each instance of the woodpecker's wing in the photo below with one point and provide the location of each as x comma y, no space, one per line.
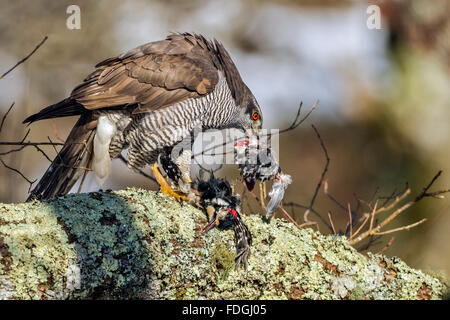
153,76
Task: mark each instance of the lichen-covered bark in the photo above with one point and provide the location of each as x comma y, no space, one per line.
139,244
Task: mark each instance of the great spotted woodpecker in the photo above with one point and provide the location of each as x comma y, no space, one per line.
222,208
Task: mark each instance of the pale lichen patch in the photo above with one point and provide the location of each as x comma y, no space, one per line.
139,244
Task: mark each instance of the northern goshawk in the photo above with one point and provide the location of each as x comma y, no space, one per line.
147,100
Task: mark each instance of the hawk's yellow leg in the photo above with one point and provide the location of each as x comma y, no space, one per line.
165,188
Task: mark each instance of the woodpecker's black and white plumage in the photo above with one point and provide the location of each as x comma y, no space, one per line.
145,100
222,208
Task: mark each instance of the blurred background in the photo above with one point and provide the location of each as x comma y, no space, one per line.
384,93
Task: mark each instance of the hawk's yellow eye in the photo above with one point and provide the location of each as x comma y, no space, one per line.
255,116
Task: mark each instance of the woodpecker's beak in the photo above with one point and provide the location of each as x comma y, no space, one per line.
213,220
211,225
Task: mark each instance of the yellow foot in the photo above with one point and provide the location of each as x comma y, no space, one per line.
165,188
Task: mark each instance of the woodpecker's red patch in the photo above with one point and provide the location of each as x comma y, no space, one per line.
233,212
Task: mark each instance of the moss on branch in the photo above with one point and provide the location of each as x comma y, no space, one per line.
139,244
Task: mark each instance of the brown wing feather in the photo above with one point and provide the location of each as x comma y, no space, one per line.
153,76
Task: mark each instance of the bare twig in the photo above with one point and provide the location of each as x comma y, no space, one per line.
142,173
43,153
322,177
297,122
288,216
18,172
317,214
350,221
362,225
12,151
395,202
387,246
377,229
5,115
21,143
372,241
26,58
55,131
331,222
372,215
412,225
261,196
83,178
325,191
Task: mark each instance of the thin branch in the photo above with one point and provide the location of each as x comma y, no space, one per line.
26,58
5,115
372,241
293,126
317,214
25,136
362,225
325,191
18,149
377,230
425,193
19,143
331,222
288,216
412,225
296,123
55,131
372,215
18,172
350,221
12,151
395,202
56,151
261,196
142,173
387,246
322,177
42,151
83,178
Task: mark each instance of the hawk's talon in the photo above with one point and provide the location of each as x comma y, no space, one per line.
164,186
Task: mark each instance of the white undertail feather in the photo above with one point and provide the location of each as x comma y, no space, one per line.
184,164
102,161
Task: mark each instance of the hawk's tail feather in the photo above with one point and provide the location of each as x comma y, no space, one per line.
70,163
64,108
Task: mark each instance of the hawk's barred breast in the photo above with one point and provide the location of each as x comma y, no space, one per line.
145,134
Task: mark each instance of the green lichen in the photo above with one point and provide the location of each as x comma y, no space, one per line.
223,260
357,294
139,244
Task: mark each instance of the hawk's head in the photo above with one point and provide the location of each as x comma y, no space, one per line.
250,116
